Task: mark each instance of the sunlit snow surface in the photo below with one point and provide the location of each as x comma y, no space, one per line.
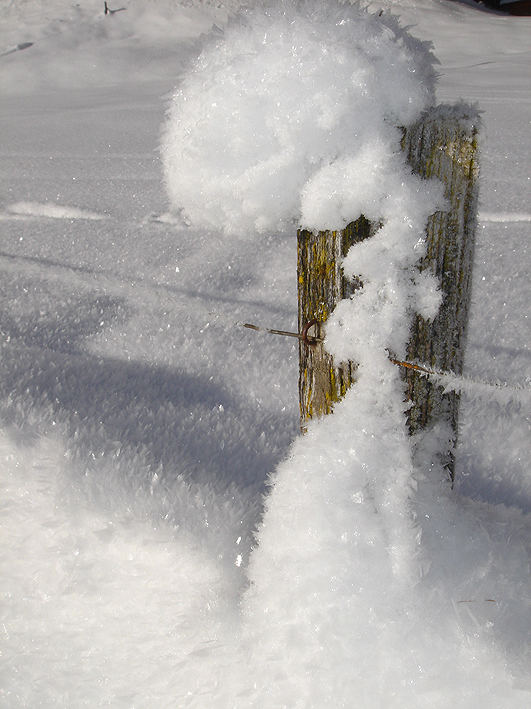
139,423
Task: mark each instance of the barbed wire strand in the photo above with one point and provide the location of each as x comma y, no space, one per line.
449,380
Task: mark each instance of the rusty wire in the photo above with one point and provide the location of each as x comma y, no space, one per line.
311,341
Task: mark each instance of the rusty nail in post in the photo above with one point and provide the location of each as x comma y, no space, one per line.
308,340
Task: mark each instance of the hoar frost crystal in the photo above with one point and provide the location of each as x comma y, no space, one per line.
292,117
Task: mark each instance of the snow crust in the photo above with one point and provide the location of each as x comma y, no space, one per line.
75,45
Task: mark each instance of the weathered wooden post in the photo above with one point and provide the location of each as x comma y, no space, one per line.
442,144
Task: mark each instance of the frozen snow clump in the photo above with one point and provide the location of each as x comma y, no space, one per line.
292,117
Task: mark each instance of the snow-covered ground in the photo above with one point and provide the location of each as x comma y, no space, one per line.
139,422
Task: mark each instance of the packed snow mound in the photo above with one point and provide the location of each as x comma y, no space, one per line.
276,118
374,584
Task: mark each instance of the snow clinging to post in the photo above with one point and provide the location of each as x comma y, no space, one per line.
293,119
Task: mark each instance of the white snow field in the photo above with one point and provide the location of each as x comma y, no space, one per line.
168,538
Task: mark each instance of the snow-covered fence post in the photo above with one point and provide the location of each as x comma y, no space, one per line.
442,144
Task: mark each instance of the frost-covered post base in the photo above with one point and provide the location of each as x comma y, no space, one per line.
442,144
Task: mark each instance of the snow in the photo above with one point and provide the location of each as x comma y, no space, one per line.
505,217
276,119
141,564
27,210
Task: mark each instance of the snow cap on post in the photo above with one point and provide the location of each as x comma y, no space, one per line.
291,116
